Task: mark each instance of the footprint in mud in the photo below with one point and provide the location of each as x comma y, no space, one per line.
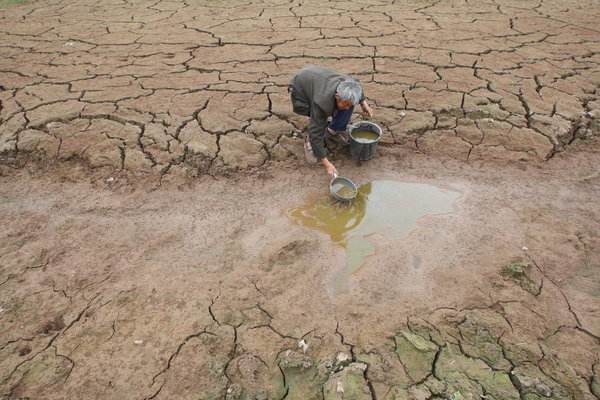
23,351
289,253
54,325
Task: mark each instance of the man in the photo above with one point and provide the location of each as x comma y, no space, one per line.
320,93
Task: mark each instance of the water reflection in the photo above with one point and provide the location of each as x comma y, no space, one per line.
387,208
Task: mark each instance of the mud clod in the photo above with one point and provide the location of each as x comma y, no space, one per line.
521,272
53,325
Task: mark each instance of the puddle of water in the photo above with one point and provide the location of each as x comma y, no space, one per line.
387,208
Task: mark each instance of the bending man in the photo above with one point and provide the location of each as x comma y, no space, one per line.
320,93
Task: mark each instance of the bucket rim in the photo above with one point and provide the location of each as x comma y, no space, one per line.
346,182
357,125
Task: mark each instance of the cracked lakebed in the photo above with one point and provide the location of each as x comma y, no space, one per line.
176,87
147,148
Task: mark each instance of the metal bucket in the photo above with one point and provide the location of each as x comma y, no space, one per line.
342,189
360,148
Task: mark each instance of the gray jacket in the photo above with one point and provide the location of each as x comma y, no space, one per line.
313,91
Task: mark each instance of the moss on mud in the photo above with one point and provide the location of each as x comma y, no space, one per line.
302,378
416,353
6,3
472,376
520,273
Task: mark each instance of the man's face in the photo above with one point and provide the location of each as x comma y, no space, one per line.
342,104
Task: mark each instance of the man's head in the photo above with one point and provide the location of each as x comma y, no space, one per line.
348,94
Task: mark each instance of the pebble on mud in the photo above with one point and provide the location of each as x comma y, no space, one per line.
303,345
342,357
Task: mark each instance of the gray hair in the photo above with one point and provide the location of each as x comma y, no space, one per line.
349,90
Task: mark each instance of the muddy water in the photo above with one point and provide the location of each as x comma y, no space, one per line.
382,208
364,136
344,191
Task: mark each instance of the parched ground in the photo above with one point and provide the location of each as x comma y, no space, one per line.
149,157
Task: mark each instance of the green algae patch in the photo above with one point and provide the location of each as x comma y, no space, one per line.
45,372
533,383
481,332
516,270
596,382
520,273
303,380
7,3
384,366
471,377
416,354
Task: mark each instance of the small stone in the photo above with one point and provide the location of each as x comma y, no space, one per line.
138,341
303,345
342,357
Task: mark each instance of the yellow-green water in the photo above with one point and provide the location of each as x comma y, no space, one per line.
364,136
343,191
387,208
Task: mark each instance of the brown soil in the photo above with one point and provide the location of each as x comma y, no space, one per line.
149,157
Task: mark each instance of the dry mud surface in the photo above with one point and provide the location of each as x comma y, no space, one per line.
149,157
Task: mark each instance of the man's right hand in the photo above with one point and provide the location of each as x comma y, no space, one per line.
329,167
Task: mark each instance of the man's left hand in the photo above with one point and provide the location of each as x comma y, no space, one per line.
366,109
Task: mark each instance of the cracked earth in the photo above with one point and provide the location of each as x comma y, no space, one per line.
149,155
